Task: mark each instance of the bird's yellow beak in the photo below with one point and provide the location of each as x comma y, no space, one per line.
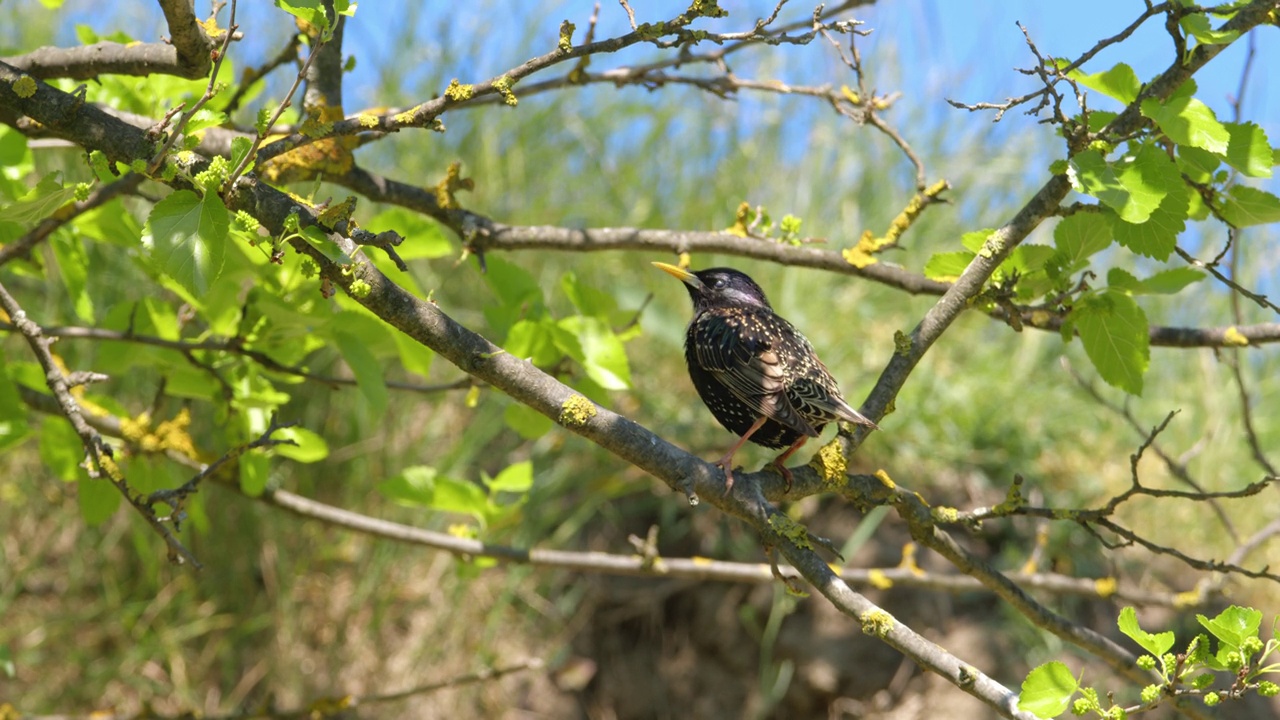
684,275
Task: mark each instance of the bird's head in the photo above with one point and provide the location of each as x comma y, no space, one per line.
718,287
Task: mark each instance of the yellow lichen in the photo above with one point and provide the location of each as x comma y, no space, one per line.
901,343
1234,337
830,464
447,188
876,623
1187,599
576,411
791,530
909,560
565,43
458,92
945,514
367,121
741,220
1106,586
24,87
878,579
884,479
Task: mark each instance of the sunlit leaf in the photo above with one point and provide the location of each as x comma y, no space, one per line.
1047,691
1114,332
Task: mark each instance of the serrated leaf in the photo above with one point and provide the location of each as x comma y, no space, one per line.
527,422
534,341
414,487
1114,332
1187,121
1122,279
1249,151
1079,236
188,239
1120,82
1155,643
947,266
240,147
1047,691
517,478
1197,164
1169,282
1247,206
203,119
1133,186
1233,625
309,11
1197,24
974,240
603,355
1157,237
366,368
39,203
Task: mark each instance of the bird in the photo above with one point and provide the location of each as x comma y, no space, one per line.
756,373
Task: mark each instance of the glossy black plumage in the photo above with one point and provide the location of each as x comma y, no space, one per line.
759,376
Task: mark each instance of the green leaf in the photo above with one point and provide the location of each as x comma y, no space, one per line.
1079,236
73,266
13,412
188,237
588,300
423,237
1233,625
1121,279
1155,643
1169,282
529,423
1120,82
460,496
1197,164
414,486
974,240
1187,121
604,357
534,340
309,11
1197,25
948,266
1157,237
240,147
517,478
61,450
1047,691
310,447
39,203
366,368
1133,186
98,498
1249,150
321,241
1245,206
206,118
1114,332
414,356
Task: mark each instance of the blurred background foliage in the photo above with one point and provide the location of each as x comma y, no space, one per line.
288,610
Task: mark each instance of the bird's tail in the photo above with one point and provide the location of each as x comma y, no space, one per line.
848,414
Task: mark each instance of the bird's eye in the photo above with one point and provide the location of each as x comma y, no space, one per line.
719,284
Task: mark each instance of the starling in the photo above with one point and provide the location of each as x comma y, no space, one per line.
756,373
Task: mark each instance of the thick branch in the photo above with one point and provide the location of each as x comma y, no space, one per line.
187,56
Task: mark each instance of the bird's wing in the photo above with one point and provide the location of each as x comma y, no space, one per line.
749,368
814,399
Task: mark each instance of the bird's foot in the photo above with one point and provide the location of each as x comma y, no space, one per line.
785,472
726,464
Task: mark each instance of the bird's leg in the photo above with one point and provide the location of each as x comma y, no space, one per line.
726,462
777,462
